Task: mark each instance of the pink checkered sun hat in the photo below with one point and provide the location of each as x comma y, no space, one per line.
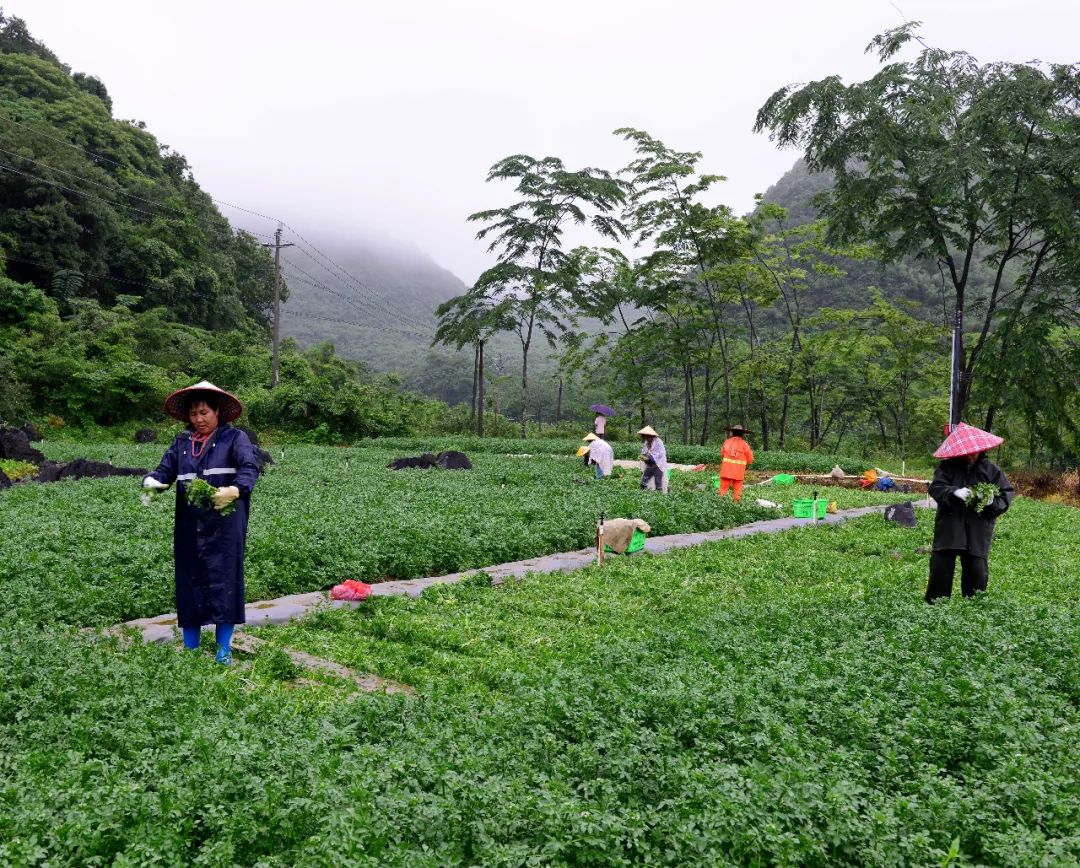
967,440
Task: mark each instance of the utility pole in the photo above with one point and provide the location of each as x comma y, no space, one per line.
955,374
277,245
480,391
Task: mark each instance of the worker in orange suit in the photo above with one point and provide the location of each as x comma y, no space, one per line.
735,456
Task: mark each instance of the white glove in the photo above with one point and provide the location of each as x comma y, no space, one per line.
150,482
962,493
224,496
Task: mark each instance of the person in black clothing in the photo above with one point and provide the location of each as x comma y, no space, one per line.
960,531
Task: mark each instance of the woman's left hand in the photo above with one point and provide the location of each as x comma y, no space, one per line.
224,496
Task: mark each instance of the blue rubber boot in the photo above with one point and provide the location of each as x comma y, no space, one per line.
191,638
224,634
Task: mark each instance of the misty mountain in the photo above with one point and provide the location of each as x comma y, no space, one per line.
918,284
374,301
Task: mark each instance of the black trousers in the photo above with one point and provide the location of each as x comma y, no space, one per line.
654,473
974,574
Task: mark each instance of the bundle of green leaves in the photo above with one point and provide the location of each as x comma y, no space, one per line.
200,494
982,495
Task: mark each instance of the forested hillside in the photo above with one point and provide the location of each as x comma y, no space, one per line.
120,279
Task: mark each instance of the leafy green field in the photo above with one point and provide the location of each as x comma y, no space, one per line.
88,552
784,700
804,462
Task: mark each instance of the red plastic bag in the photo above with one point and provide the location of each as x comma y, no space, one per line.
350,590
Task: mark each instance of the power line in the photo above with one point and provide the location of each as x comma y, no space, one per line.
311,281
375,302
158,205
365,310
356,281
121,190
102,157
73,189
361,325
60,141
327,262
4,166
53,269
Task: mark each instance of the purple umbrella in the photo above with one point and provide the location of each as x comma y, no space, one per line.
602,409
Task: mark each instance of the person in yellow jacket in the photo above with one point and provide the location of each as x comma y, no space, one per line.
735,456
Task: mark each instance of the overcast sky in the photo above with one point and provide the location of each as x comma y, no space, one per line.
359,117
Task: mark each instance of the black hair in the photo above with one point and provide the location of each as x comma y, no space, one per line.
212,399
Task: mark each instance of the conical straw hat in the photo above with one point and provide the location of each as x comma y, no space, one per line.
647,431
229,407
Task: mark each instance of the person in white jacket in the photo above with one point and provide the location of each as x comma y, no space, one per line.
600,455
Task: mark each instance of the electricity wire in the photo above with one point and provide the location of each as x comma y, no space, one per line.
56,270
309,280
77,192
305,246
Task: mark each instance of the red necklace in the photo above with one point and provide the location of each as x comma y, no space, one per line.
198,443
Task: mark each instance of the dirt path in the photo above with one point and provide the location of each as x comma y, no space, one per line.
163,628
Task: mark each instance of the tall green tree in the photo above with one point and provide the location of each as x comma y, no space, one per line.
472,318
612,292
692,245
794,260
532,284
945,158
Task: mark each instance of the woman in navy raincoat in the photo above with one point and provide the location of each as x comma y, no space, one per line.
208,547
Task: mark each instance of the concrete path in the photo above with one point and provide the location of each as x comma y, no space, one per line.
163,628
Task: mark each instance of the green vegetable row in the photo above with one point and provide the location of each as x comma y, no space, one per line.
799,462
87,552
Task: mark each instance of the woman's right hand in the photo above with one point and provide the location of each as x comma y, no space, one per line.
150,482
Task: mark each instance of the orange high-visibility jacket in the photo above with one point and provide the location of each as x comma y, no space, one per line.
735,455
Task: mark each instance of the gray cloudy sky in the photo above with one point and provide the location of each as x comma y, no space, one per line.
359,117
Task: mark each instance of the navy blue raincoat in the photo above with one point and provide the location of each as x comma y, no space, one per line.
208,546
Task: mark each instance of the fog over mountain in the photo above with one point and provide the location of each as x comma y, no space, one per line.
387,116
373,298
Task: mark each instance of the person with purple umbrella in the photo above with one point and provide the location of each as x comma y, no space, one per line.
602,412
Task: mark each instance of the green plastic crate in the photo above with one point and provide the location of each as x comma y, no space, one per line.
805,508
637,543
